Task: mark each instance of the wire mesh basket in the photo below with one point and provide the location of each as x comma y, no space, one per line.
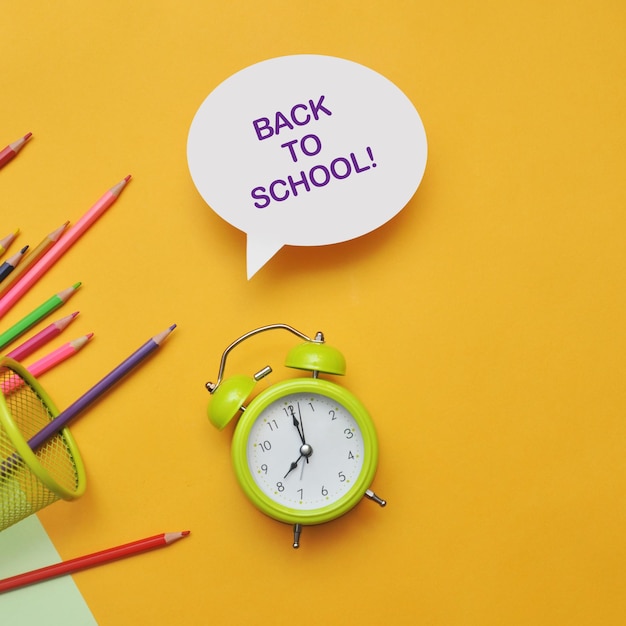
32,479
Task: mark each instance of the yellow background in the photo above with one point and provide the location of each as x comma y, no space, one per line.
483,327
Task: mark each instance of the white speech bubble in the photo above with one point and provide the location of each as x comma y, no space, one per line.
305,150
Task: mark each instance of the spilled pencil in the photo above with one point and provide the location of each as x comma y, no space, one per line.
36,315
10,152
32,257
5,242
89,397
59,355
57,251
24,350
46,363
11,263
91,560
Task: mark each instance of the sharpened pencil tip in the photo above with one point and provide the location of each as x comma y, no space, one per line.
28,136
127,178
185,533
76,285
89,336
173,326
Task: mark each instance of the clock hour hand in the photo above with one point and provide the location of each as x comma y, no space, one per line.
305,451
293,466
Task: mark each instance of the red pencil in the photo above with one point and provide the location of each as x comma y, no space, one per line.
97,558
12,149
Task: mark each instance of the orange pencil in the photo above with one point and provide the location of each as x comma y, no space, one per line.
10,152
57,251
32,257
90,560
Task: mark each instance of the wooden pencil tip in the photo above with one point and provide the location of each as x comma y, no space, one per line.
76,285
185,533
89,336
127,178
27,136
24,249
172,327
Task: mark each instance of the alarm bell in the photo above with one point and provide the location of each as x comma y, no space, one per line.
316,357
230,395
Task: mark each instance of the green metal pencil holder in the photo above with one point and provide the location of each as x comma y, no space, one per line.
32,479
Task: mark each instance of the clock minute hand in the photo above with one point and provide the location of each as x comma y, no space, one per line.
296,423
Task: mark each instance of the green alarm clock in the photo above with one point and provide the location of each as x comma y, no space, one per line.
304,450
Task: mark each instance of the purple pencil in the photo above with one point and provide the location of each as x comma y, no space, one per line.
63,418
41,338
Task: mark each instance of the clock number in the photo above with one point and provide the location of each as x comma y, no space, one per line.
265,445
301,492
348,433
332,415
324,491
264,468
273,424
350,455
342,477
280,487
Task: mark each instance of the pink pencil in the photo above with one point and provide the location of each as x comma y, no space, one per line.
62,246
41,338
47,362
58,356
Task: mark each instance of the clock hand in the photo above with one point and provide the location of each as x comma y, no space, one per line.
304,443
293,466
296,423
305,451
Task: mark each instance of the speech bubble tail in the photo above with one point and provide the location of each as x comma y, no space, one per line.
259,252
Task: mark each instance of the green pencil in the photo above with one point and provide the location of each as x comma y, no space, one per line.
37,315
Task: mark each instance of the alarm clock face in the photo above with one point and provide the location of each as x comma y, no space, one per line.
307,452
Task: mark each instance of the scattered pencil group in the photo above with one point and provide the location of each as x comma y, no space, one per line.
18,274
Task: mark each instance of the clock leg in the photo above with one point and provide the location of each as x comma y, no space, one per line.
372,496
297,529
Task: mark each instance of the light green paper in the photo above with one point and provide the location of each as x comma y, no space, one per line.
57,602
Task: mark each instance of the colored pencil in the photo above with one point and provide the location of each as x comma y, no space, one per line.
88,398
10,152
59,355
25,349
33,256
56,357
57,251
35,316
11,263
5,242
90,560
